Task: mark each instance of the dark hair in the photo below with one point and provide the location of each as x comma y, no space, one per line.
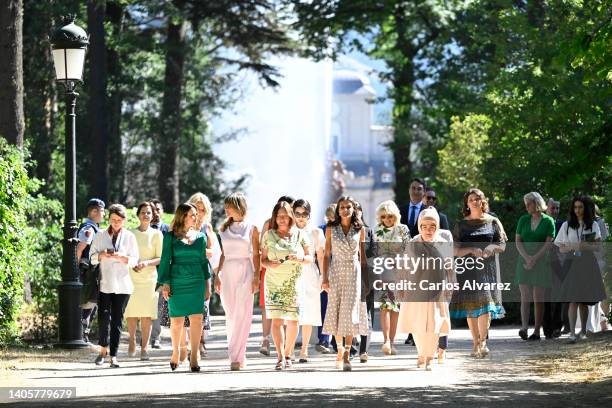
156,201
177,225
287,207
420,181
589,212
360,208
287,199
118,210
484,204
143,205
355,221
429,189
302,203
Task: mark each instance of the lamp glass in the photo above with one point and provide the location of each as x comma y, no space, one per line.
69,63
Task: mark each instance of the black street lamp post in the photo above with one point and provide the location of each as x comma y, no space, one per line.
69,43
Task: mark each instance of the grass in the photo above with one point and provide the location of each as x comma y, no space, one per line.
589,361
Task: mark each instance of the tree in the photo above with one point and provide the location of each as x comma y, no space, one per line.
97,105
398,32
247,31
12,122
462,159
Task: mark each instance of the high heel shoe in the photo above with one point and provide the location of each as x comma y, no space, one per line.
484,350
420,362
386,348
346,362
339,357
428,363
173,366
195,369
441,356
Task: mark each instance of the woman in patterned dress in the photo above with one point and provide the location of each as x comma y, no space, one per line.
346,314
478,235
284,252
390,238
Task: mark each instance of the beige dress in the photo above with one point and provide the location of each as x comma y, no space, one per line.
143,301
425,317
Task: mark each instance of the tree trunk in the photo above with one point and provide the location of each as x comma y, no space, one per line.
403,82
12,122
97,106
40,96
168,145
117,193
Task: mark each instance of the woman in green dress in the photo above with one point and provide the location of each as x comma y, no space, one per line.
535,232
284,251
184,275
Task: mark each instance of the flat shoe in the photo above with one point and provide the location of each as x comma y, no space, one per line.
534,337
100,359
523,334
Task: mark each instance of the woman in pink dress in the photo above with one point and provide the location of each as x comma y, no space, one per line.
236,283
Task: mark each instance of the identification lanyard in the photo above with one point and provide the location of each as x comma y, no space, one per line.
118,241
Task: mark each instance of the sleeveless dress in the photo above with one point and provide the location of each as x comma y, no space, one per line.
469,302
185,268
309,284
236,287
346,314
281,282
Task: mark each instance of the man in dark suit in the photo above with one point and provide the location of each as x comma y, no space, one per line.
409,213
430,200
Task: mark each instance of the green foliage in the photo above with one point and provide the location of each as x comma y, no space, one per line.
13,258
463,157
44,252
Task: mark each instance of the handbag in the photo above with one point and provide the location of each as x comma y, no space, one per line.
91,285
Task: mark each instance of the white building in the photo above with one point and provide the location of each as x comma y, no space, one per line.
359,143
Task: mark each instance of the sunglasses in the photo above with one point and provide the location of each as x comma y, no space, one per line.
301,214
429,198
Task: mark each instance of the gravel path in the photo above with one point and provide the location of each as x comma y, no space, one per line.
516,374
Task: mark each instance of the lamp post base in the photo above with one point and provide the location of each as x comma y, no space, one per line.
70,327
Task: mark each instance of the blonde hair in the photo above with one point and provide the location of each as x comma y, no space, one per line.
238,202
390,208
200,198
536,198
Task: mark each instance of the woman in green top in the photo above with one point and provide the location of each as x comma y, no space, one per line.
534,233
183,272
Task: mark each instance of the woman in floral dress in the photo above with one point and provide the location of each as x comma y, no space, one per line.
284,252
390,238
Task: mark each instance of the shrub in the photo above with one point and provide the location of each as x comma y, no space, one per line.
13,202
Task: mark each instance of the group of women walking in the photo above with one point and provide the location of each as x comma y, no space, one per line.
300,261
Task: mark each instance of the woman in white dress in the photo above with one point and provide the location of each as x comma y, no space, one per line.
427,317
309,284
